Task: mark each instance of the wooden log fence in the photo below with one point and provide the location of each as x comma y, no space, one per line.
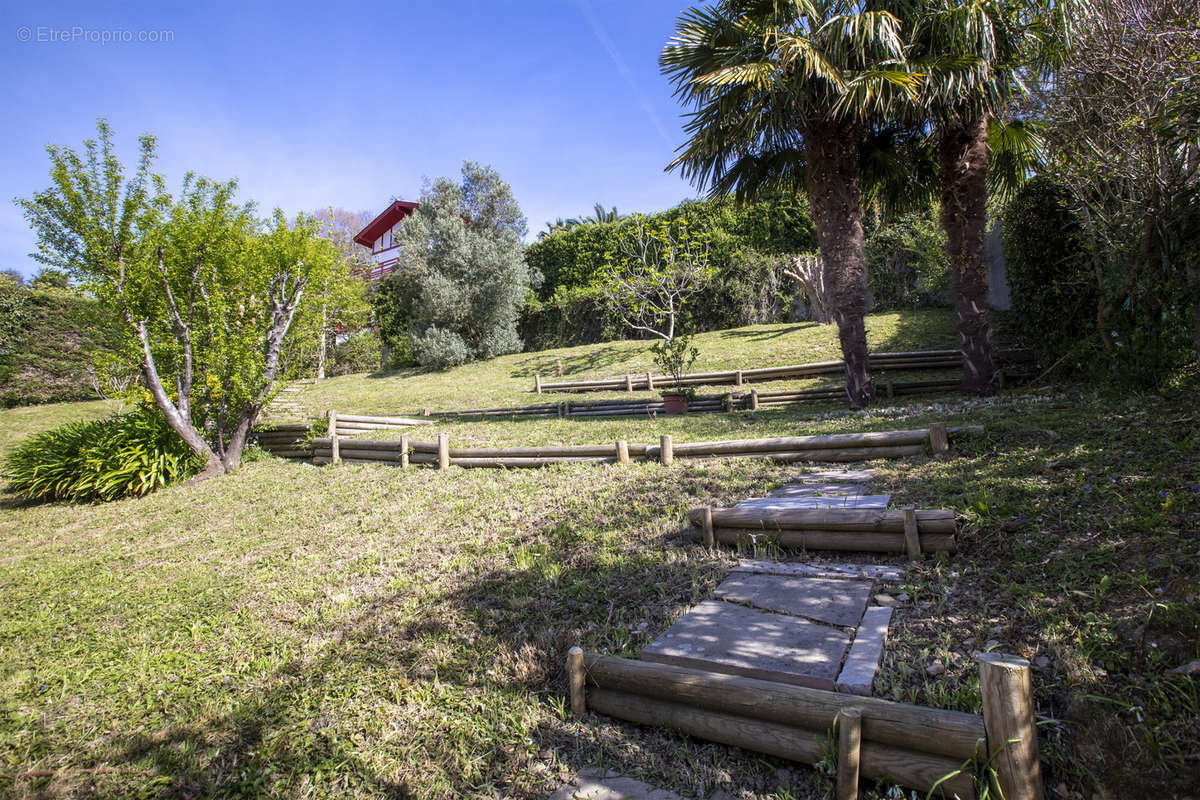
838,447
853,529
927,749
893,362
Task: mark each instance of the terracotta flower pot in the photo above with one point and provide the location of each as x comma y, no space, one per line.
676,403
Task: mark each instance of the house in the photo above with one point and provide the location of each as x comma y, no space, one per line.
379,236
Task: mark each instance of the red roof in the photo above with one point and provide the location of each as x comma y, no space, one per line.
398,210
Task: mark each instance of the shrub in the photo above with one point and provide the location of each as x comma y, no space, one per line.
358,353
907,266
1054,298
129,455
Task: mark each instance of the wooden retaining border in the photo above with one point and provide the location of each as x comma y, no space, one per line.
904,361
345,424
831,447
908,531
286,440
730,401
927,749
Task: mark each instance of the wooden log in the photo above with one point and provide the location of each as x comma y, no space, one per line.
825,442
1006,687
287,426
622,451
537,383
737,378
649,382
507,462
906,767
548,451
842,541
628,382
575,681
404,451
666,451
846,454
370,455
381,420
333,422
849,732
297,453
423,458
754,399
952,734
929,520
334,449
360,444
706,525
912,534
423,447
939,440
443,443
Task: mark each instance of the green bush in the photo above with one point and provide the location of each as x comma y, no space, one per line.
1054,298
129,455
907,266
358,353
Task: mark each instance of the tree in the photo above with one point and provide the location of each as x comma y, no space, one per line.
782,96
973,56
461,279
1123,121
658,267
207,292
342,299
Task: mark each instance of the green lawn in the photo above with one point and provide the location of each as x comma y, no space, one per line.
509,380
366,631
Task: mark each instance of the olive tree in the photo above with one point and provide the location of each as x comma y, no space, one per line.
207,292
461,277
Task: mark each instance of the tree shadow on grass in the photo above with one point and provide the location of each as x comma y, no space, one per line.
594,358
761,335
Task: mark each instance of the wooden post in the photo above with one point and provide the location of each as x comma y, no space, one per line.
666,450
566,408
754,399
404,450
912,534
729,401
332,422
737,378
628,382
425,411
707,524
537,383
649,381
1006,686
849,735
335,454
559,408
939,440
887,386
443,451
558,368
622,451
575,680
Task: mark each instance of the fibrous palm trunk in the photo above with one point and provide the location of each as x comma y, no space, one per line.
836,198
964,155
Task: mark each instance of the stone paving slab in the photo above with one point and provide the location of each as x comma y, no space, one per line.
852,475
817,490
862,662
792,501
610,786
725,637
834,601
821,569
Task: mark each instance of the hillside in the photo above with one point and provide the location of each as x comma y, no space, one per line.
368,631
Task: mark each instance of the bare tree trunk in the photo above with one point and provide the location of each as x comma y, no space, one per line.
324,334
836,198
964,152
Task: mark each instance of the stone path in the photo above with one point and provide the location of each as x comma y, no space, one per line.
803,623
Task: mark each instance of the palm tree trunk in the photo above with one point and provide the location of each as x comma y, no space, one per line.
964,153
836,198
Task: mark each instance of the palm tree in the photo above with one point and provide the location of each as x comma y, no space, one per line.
783,95
974,56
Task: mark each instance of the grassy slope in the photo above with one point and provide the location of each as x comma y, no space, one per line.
509,380
17,423
371,632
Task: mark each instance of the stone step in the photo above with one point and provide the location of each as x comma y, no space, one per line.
834,601
821,569
792,501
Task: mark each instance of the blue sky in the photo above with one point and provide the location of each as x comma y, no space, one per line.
319,104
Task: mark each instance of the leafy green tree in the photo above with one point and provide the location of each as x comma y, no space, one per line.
461,279
783,95
342,298
207,292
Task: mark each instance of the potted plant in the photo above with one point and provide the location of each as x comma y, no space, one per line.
675,356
